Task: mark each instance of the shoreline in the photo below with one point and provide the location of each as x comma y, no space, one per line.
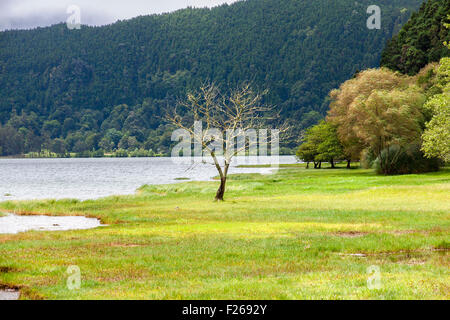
102,178
20,157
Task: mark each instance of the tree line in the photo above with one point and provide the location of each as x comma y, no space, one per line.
395,118
394,122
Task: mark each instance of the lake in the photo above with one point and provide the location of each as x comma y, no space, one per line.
26,179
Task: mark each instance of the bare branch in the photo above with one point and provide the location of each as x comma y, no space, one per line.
233,115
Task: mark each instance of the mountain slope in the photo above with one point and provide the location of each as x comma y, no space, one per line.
421,39
112,82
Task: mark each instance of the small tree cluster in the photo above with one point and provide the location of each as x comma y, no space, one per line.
321,144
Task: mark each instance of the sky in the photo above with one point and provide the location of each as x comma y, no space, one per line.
25,14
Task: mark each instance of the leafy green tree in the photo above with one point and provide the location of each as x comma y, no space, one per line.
114,135
133,143
321,145
381,111
106,144
68,126
329,148
11,141
58,146
387,119
92,140
347,98
52,127
436,138
309,119
80,146
307,152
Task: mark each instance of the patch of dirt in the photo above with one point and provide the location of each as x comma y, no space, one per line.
358,255
408,254
414,262
350,234
125,245
401,232
424,232
410,258
409,251
4,269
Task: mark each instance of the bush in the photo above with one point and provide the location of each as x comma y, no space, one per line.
406,161
367,159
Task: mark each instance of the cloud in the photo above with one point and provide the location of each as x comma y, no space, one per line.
25,14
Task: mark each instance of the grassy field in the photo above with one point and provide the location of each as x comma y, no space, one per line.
299,234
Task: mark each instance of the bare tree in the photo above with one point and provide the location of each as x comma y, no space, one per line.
230,118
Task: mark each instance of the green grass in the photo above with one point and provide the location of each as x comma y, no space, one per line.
286,236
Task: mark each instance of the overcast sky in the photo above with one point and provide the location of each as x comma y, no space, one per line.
24,14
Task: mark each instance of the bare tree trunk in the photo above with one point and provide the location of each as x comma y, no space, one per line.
223,180
220,193
349,164
307,165
332,163
388,165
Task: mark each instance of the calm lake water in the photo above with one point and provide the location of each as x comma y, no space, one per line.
25,179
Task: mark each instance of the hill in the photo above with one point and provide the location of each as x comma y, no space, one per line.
106,87
421,40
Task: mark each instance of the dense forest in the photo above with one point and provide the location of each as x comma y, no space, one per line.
421,40
395,122
106,89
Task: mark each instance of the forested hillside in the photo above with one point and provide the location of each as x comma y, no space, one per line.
107,87
421,40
